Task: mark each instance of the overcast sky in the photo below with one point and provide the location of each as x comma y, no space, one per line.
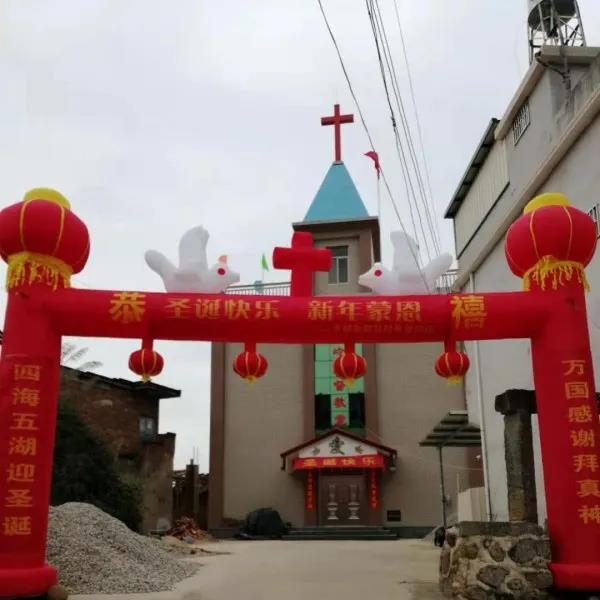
153,116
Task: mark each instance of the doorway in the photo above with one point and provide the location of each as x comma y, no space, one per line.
342,499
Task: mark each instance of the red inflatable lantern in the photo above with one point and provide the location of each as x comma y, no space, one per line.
146,363
550,243
249,364
452,365
349,366
42,240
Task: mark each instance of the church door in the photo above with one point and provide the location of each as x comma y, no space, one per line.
342,500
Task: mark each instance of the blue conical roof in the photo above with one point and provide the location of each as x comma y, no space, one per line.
337,198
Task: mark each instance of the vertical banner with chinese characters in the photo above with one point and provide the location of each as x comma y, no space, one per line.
373,495
27,425
310,490
569,435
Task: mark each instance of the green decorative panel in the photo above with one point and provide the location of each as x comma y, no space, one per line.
327,383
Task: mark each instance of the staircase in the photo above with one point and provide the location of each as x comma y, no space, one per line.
340,533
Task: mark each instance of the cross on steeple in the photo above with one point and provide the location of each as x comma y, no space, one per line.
303,260
336,120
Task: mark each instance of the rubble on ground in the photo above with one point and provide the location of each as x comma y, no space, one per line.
97,554
173,544
186,529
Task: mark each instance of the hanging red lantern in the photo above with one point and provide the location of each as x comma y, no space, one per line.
349,366
452,365
42,240
550,243
249,364
146,363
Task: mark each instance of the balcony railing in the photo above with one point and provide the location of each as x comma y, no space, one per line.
443,286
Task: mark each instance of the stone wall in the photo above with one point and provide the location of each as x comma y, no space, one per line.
493,560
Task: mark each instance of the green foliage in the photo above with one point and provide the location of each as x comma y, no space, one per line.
85,471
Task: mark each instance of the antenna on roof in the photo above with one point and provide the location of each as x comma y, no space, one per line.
554,23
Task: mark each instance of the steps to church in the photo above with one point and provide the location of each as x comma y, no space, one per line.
340,533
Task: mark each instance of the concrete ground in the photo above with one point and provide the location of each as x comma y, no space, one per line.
336,570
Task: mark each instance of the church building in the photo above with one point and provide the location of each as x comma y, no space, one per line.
301,440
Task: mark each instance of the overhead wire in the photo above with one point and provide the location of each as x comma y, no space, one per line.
415,196
405,124
417,120
370,138
410,191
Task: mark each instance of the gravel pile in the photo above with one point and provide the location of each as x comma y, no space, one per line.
97,554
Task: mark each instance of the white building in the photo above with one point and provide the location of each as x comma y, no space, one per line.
547,140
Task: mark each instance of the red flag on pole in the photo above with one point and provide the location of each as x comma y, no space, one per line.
375,158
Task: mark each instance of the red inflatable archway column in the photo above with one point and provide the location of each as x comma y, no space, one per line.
43,243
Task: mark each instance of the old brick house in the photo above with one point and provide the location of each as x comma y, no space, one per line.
125,415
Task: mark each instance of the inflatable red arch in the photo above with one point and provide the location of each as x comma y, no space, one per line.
44,243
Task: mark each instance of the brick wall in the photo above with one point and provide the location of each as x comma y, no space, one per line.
113,408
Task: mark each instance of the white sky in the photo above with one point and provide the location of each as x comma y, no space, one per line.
153,116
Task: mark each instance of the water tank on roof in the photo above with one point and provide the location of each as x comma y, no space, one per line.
554,23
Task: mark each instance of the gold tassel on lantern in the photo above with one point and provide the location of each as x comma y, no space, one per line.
29,267
556,271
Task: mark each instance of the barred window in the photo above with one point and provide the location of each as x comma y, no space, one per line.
521,122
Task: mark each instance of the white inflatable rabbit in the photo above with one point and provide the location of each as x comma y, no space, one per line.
405,276
193,273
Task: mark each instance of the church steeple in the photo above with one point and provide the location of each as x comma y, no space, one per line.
337,199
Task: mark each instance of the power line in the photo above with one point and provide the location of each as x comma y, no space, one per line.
407,128
364,124
399,149
382,44
417,119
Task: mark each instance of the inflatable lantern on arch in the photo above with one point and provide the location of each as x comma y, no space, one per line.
44,243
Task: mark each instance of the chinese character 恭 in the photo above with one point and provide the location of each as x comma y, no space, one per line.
178,308
24,446
469,311
585,461
24,421
208,309
379,311
588,487
577,389
309,462
18,499
582,438
320,310
27,373
266,309
580,414
574,367
589,514
348,310
128,307
21,473
408,312
237,309
16,526
26,396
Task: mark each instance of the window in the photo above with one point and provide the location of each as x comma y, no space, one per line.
339,268
594,212
147,428
521,122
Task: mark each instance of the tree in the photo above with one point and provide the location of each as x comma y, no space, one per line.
85,471
70,353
